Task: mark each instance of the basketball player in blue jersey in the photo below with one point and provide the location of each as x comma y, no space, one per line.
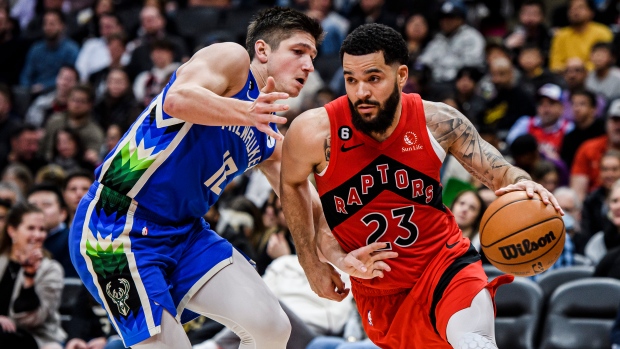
138,239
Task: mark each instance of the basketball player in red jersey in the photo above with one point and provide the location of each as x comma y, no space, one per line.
376,155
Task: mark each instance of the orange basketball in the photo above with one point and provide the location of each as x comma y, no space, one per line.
521,236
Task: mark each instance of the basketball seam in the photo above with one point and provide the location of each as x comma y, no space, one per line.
517,232
510,203
531,260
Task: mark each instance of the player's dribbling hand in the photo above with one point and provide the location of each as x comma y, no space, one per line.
262,109
531,187
325,280
367,262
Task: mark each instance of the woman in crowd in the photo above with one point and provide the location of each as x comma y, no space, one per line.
30,285
468,208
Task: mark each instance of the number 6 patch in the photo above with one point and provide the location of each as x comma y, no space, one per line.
344,133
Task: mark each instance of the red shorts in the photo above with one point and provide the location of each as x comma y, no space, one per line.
417,317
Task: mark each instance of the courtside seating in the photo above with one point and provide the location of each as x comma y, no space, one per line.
519,306
581,314
552,279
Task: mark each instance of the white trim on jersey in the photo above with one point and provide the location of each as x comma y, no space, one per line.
441,154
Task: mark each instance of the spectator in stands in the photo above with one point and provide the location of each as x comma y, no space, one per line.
456,45
68,151
78,117
336,26
5,207
604,79
585,170
526,155
149,83
19,175
571,205
118,104
47,56
51,174
94,54
277,240
587,125
153,27
116,48
13,48
468,101
510,102
75,187
575,76
54,101
7,123
373,11
577,39
611,234
30,320
10,192
535,75
531,29
48,199
546,126
25,148
417,35
468,208
545,173
595,208
112,136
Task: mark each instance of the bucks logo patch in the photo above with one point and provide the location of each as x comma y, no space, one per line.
119,295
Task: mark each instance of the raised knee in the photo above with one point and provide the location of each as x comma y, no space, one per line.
472,340
279,325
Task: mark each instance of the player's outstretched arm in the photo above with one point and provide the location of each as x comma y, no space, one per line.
218,71
457,135
300,153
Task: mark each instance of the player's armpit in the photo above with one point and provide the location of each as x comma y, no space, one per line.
457,135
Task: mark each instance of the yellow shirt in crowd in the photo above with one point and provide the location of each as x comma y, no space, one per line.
567,43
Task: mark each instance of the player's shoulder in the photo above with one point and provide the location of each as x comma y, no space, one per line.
316,120
225,54
438,112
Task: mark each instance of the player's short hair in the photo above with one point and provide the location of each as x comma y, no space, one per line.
274,25
371,38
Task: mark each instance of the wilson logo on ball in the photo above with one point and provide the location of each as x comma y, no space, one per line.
526,247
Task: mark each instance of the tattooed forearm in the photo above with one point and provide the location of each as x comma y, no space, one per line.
328,147
457,135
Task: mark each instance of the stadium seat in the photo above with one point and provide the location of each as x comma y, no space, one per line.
492,271
582,260
581,314
551,279
518,307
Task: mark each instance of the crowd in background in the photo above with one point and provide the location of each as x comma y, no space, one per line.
538,78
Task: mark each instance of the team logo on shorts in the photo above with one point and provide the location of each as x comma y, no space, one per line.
369,319
119,296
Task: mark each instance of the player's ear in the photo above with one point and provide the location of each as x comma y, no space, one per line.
262,50
402,74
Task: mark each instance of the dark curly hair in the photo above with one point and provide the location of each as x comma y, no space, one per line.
274,25
371,38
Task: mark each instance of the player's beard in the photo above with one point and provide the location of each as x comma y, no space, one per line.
384,118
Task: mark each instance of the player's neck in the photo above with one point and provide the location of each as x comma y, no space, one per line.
259,75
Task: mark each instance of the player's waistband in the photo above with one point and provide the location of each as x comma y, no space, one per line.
110,198
364,290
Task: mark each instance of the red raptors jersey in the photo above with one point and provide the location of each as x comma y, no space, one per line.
387,192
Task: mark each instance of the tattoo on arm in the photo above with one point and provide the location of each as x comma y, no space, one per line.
328,147
457,135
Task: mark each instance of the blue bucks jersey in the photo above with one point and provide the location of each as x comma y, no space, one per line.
175,169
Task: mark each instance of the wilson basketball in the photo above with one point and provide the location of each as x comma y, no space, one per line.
521,236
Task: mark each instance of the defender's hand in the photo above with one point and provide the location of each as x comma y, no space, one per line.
261,111
367,262
530,188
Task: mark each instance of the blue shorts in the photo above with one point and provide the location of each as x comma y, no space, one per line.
136,268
